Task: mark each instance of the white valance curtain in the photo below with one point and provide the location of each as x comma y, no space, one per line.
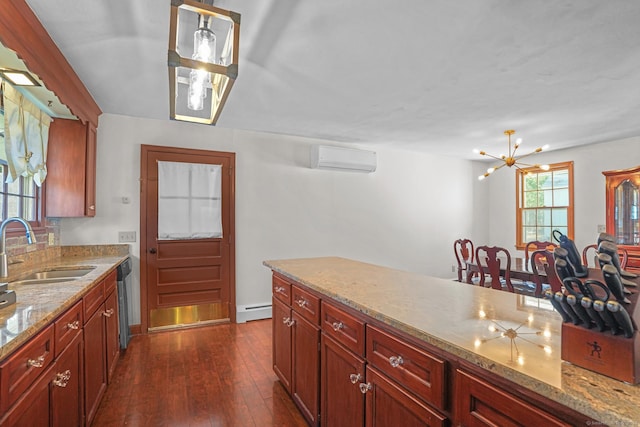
189,201
26,136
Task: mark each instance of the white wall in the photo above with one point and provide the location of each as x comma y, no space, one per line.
405,215
589,189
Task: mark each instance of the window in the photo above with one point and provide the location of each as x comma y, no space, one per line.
19,198
544,202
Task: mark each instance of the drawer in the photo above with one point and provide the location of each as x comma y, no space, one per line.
67,327
21,369
110,283
418,371
93,299
477,399
305,304
281,289
344,328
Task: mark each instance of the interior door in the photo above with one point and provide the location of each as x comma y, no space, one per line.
187,276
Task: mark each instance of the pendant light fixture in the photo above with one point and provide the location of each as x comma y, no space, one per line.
511,159
203,60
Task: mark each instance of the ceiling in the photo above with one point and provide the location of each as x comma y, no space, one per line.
430,75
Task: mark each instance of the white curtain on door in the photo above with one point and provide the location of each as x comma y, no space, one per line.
26,138
189,201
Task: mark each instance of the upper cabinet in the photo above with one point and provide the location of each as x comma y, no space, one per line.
623,205
70,186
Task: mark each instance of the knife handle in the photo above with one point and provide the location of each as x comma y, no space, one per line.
587,303
612,279
548,294
574,302
601,308
561,299
622,317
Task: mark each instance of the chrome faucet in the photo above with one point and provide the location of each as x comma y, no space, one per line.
31,238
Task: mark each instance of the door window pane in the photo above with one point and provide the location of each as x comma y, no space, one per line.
189,201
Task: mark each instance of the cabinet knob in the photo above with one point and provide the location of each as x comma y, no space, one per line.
365,387
108,313
288,321
278,289
302,302
62,378
37,362
396,361
75,325
354,378
337,326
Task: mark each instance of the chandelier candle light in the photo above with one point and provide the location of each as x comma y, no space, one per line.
510,159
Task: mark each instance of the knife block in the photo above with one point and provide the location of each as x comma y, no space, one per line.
612,355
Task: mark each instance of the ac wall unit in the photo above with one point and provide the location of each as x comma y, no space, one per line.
340,158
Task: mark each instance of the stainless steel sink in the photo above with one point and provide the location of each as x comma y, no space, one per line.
60,273
57,275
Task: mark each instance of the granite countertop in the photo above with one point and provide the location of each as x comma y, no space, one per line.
38,304
467,321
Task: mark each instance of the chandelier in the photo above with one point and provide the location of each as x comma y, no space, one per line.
510,159
203,59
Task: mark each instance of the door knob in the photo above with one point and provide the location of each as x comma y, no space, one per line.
152,250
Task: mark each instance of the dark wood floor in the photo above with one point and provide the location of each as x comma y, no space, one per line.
210,376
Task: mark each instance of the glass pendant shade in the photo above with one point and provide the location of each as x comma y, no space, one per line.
203,60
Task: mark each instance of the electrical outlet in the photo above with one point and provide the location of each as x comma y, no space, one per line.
52,239
126,236
602,228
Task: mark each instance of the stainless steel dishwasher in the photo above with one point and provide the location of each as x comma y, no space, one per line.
124,273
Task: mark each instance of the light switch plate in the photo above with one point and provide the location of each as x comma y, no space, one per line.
126,236
52,239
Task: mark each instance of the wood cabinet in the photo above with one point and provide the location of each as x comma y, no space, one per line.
70,187
100,336
296,345
623,211
45,391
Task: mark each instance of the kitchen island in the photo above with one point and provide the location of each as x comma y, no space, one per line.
507,340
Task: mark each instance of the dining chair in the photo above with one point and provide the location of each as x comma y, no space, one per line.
489,260
537,245
543,259
622,254
464,251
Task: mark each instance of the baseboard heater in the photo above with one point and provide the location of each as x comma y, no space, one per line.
245,313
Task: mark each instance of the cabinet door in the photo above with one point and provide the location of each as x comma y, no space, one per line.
342,402
66,169
90,171
95,367
33,408
390,405
282,333
306,368
112,332
66,387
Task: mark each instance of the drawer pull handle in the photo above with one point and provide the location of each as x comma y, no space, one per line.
302,302
396,361
354,378
288,321
337,326
365,387
279,289
36,363
108,313
75,325
62,378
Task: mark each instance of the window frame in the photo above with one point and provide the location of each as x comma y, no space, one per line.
36,224
520,174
